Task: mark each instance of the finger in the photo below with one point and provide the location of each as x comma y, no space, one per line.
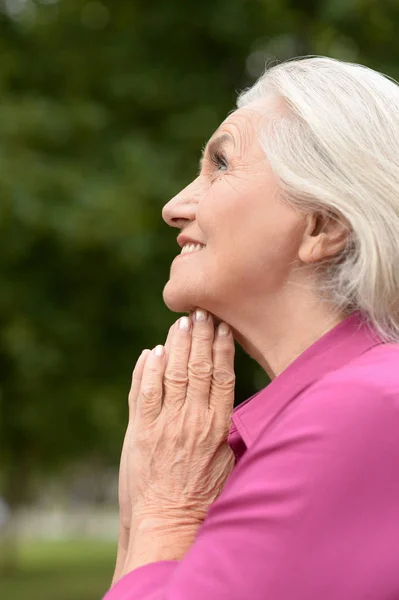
168,340
200,364
221,398
176,373
149,401
136,382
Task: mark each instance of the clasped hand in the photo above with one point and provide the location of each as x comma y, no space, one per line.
175,457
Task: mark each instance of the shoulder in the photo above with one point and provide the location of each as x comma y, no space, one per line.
351,413
372,375
377,367
365,387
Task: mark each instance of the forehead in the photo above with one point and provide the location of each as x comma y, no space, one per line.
242,125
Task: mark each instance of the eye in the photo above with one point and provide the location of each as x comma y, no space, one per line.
219,161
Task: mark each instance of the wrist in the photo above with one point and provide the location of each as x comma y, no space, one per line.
158,539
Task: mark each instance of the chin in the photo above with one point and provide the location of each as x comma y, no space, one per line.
176,300
181,302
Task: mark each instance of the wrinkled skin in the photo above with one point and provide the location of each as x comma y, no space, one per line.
176,458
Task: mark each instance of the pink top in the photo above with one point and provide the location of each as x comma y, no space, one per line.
311,509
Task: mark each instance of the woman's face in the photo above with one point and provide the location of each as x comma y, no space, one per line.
250,236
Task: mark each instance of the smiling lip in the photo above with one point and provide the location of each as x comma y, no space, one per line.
184,239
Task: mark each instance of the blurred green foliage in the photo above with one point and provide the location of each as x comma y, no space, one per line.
104,107
80,569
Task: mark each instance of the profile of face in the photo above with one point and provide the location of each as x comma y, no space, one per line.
252,240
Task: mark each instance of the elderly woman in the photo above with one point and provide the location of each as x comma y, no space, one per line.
290,246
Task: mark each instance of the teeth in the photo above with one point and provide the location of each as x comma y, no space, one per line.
191,248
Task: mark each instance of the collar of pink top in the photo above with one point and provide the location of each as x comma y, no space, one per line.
347,340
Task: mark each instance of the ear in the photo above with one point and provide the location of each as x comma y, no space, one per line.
325,236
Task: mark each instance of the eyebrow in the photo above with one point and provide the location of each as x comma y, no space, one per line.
215,145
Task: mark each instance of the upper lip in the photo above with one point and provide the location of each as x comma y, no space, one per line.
184,239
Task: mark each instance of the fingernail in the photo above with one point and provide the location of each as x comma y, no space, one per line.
223,329
158,350
201,315
184,323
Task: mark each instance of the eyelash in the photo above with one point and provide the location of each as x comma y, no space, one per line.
219,160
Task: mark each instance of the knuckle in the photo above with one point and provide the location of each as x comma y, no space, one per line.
224,378
176,377
198,368
151,392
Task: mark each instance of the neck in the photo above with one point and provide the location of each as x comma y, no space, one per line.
276,337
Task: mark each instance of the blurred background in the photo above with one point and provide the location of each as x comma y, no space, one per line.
104,108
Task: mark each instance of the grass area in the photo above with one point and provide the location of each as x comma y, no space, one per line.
61,570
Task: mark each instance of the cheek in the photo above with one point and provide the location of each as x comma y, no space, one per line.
248,254
217,213
252,236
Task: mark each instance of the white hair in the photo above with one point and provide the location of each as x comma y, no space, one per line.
334,149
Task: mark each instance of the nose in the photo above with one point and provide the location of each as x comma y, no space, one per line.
182,209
